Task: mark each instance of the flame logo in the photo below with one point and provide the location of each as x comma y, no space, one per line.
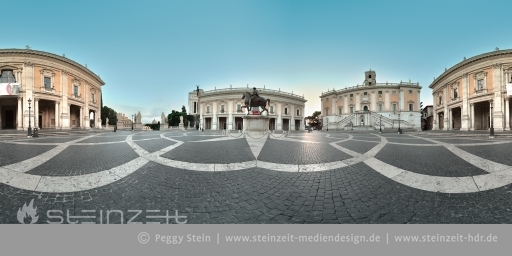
28,212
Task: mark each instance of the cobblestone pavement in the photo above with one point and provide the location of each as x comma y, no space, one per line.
208,177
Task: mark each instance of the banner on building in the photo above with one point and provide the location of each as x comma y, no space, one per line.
9,89
509,89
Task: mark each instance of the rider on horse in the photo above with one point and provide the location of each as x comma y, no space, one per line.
254,95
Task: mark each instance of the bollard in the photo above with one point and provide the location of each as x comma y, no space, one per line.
36,134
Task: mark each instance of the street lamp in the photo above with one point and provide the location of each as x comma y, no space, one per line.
327,124
380,124
399,131
29,127
132,121
491,135
198,110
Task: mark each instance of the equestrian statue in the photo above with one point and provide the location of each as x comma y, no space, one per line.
254,100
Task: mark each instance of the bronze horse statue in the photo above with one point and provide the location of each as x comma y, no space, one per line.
256,102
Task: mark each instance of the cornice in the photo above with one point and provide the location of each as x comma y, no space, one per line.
471,61
38,54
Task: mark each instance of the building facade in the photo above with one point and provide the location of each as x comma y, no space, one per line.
472,94
427,118
372,105
221,109
60,93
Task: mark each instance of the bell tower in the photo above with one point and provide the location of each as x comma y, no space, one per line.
370,78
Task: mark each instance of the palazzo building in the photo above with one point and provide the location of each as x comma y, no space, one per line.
472,94
221,109
372,105
61,93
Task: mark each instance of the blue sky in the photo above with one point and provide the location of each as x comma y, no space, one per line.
152,53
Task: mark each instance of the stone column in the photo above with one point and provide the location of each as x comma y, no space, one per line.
446,114
80,118
279,125
358,102
402,100
230,117
346,108
18,115
472,128
36,113
386,102
507,115
292,118
450,119
214,118
56,115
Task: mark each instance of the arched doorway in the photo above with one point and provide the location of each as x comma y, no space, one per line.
441,120
361,120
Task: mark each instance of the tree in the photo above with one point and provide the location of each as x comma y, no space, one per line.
314,120
174,117
110,113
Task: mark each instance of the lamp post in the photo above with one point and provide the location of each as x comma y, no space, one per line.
198,109
327,124
29,126
491,135
399,131
132,121
380,124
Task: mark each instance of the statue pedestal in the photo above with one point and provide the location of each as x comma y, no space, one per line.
137,127
256,125
181,127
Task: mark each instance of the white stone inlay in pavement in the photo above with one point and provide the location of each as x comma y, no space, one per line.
256,144
500,174
29,164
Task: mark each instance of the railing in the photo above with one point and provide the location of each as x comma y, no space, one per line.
389,120
481,90
345,120
370,86
244,89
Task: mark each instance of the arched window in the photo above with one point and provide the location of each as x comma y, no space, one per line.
365,108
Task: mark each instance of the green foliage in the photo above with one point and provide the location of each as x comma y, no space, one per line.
174,117
313,120
110,113
154,127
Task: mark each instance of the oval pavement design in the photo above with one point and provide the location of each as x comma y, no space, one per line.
499,174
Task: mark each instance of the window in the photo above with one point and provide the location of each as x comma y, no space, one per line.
326,111
272,109
47,83
455,94
380,107
410,91
365,108
340,110
369,76
286,111
207,109
92,97
365,93
394,107
480,83
75,90
351,110
380,92
222,108
440,100
239,108
410,107
7,76
195,107
351,95
370,83
298,112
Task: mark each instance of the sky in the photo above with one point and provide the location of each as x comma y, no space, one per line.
152,53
